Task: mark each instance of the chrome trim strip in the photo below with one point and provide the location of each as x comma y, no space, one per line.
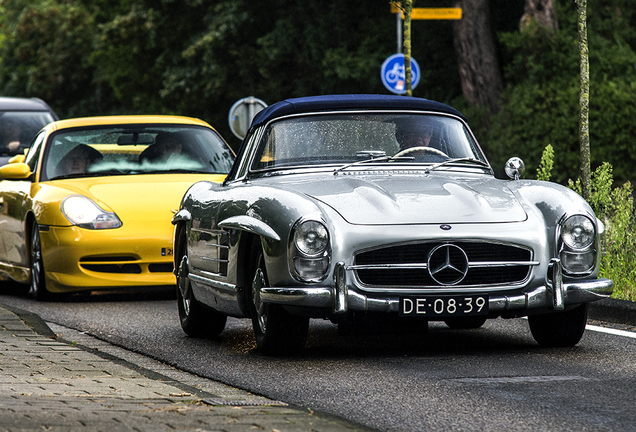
214,259
341,292
321,297
478,264
387,266
554,286
220,246
481,264
213,283
446,240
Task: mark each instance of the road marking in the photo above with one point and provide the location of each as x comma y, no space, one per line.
518,379
611,331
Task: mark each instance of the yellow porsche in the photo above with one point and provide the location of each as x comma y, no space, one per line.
90,205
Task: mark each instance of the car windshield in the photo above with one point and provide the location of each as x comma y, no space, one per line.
18,128
349,138
114,150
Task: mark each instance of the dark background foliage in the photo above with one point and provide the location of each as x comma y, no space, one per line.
196,58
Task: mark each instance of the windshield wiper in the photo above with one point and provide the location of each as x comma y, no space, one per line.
376,159
174,171
76,175
469,160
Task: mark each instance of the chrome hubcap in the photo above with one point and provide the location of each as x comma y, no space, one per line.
36,259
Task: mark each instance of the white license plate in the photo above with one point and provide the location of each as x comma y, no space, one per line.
444,306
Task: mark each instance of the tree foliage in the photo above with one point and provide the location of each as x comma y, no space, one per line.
540,103
196,58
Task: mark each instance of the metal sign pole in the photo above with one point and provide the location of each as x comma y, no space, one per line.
399,32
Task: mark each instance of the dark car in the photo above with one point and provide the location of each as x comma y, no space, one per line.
20,120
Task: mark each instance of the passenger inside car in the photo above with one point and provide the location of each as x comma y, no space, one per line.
167,145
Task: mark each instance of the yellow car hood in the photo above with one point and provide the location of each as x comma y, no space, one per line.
141,198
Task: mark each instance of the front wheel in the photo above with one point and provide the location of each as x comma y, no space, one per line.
276,330
559,329
197,321
37,288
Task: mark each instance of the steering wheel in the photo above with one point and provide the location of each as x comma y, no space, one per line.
420,149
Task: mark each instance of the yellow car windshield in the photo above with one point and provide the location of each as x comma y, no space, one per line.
108,150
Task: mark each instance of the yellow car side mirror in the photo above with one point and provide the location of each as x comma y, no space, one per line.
15,171
17,159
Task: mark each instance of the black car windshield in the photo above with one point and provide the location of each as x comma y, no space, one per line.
336,139
17,129
126,150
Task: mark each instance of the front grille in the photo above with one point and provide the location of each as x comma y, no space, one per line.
160,268
488,264
117,258
113,268
122,264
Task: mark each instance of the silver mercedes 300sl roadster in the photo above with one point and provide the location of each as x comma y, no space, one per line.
380,210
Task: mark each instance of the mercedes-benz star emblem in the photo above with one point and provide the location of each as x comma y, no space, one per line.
447,264
445,227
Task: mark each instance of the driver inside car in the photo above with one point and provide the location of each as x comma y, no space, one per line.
413,136
418,140
78,160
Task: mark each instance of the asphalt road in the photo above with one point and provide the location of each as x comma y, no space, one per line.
492,378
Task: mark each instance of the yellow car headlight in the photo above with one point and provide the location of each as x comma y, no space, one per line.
85,213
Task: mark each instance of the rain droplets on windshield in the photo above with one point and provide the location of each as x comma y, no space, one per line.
334,139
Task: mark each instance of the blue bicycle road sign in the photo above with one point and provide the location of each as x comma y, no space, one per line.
394,75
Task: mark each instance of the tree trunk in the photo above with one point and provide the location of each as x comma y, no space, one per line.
476,54
584,101
408,7
541,12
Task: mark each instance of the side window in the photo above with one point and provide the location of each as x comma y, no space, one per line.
34,152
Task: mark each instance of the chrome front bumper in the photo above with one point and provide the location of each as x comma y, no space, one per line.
554,295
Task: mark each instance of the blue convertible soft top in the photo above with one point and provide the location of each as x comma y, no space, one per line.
347,102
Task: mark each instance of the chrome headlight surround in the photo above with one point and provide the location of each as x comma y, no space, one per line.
85,213
577,244
309,250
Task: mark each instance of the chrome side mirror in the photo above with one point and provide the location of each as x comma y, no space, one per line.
514,168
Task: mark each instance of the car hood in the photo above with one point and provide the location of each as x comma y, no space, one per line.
136,198
415,199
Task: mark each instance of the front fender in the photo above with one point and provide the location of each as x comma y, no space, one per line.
249,224
182,215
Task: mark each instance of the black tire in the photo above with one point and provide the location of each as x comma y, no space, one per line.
37,289
277,331
465,323
559,329
197,321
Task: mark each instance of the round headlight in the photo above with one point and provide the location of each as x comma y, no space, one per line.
311,238
578,232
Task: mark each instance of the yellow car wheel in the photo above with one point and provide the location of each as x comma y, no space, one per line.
38,287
